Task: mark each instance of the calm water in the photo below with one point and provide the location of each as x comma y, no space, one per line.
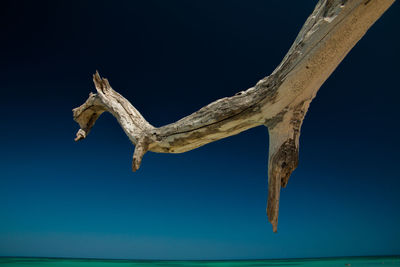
351,261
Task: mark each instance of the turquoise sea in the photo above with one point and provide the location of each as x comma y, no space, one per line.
314,262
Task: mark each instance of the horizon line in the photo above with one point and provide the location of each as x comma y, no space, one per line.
238,259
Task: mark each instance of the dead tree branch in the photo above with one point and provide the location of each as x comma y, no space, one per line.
279,101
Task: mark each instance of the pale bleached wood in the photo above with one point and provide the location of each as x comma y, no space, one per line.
279,101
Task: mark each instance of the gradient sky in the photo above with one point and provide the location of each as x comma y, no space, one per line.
169,58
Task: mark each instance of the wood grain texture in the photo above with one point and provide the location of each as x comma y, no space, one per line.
279,101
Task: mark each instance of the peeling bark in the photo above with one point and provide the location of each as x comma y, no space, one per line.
279,101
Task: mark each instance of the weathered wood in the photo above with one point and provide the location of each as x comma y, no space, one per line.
279,101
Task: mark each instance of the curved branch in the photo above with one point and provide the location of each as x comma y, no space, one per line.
279,101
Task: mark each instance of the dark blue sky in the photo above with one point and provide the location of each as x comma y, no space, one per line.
169,58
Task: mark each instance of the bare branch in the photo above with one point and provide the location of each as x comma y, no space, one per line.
279,101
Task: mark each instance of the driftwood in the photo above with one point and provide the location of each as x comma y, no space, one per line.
279,101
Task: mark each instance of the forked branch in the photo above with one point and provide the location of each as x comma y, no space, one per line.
279,101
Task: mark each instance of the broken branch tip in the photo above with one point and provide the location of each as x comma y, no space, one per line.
81,134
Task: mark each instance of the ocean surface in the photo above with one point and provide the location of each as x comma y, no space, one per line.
314,262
